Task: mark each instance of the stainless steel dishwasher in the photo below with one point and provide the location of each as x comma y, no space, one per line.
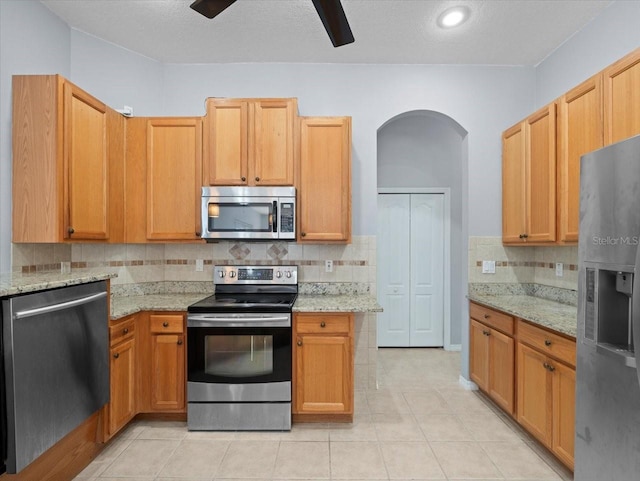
56,355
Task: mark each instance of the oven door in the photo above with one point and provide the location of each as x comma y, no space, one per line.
240,218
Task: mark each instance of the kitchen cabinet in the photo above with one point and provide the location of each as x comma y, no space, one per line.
163,363
164,178
492,354
546,388
622,98
122,405
68,163
249,141
323,367
324,180
580,130
529,179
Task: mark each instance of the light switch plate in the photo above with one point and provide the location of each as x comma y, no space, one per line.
328,266
488,267
559,269
199,265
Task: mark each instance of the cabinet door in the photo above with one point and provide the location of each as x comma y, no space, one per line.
167,372
501,369
564,405
272,142
579,131
513,185
534,394
324,372
622,99
174,165
122,405
540,164
479,355
86,160
226,151
325,180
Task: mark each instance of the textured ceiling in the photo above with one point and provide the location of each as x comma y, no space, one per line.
499,32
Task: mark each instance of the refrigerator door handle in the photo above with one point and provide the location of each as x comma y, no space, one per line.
635,313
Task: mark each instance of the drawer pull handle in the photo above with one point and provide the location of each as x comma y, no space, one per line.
299,342
179,342
165,324
547,342
322,324
116,355
125,330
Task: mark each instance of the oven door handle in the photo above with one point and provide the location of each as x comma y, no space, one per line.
218,321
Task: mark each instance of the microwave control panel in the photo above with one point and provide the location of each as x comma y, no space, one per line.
287,217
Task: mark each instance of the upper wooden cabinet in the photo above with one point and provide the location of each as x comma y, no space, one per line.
163,181
68,157
529,179
622,98
324,180
249,141
580,130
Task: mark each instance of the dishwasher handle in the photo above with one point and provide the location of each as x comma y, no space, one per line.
58,307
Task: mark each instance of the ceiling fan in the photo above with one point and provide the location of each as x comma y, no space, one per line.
330,12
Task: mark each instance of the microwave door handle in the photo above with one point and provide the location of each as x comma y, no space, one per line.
275,216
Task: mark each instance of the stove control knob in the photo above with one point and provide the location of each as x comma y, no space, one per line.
288,274
278,274
232,274
220,274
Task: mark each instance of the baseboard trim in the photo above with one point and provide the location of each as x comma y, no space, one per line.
466,384
453,347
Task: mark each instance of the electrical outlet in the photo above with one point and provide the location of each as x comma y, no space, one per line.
559,269
328,266
488,267
199,265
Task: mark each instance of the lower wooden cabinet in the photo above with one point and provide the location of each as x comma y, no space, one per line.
492,358
323,367
167,362
122,405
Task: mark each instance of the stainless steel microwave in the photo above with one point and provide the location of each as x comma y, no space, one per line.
249,213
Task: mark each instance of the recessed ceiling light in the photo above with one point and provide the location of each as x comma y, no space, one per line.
453,17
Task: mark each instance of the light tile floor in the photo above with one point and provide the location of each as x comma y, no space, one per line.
420,424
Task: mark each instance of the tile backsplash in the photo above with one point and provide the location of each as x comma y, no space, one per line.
136,263
525,265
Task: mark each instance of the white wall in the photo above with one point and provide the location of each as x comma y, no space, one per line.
612,35
32,41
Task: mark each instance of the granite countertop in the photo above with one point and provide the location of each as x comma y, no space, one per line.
553,315
336,303
18,283
125,305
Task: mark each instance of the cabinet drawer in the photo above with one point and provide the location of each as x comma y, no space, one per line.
166,323
121,330
323,324
553,345
496,319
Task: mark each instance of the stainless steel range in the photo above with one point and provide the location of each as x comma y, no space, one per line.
239,350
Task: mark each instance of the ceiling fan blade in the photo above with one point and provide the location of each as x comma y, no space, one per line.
335,21
211,8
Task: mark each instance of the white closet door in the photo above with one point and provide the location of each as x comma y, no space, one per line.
393,269
427,270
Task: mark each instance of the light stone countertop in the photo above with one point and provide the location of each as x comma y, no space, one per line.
337,303
553,315
18,283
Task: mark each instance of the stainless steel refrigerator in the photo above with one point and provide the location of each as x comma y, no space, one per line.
607,442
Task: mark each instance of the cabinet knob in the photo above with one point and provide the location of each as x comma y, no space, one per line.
197,234
125,330
303,234
179,342
547,342
71,230
487,316
116,355
551,368
299,342
165,324
243,179
257,179
521,236
524,236
322,324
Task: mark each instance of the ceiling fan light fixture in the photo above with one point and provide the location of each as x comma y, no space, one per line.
453,17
